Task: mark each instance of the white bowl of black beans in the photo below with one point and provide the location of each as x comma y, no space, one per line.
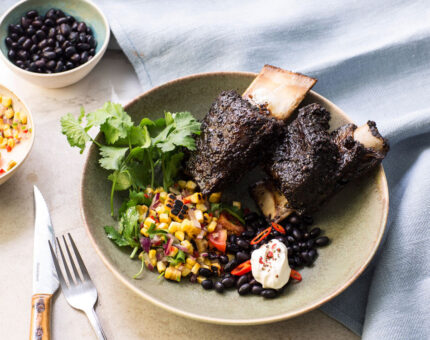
55,43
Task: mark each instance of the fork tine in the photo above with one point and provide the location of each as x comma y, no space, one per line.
72,261
66,267
57,266
79,258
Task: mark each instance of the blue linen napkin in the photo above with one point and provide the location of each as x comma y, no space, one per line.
372,58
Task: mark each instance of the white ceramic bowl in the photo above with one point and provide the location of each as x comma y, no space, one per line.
82,10
21,151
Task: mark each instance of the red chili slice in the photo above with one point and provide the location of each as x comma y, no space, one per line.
261,236
243,268
278,227
296,275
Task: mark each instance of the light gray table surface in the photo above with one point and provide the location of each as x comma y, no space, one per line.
56,169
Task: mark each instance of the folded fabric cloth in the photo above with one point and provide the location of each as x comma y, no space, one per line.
372,58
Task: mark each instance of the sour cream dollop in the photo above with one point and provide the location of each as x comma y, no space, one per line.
269,264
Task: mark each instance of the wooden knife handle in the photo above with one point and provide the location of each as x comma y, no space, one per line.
40,327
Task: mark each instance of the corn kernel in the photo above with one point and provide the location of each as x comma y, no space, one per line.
161,267
163,196
200,279
190,261
182,184
185,271
9,113
201,206
237,204
212,226
187,245
7,132
215,197
191,186
149,191
144,232
148,222
199,215
174,227
164,218
180,235
195,268
6,101
11,142
173,251
163,226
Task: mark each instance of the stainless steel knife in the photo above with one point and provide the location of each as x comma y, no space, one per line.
45,280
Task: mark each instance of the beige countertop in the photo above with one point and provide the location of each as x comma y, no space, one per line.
56,169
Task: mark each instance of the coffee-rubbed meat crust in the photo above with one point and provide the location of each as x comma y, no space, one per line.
355,159
233,135
304,165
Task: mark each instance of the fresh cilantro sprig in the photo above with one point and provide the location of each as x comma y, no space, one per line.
137,156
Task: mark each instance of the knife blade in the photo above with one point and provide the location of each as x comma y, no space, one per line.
45,280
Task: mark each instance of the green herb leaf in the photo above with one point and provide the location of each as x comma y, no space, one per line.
112,157
75,133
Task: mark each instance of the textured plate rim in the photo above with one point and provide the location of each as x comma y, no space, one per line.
241,322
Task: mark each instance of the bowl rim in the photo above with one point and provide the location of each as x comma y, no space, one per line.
8,174
239,322
59,74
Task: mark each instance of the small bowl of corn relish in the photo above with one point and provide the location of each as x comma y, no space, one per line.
16,133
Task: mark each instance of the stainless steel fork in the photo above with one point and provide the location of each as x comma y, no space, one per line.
79,291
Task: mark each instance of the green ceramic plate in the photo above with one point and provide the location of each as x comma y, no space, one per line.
354,220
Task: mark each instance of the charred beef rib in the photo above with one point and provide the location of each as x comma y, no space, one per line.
237,129
231,140
304,164
310,164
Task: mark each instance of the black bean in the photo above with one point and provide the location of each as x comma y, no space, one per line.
40,63
230,266
25,22
23,55
244,289
51,14
297,234
219,287
76,58
65,29
242,243
242,280
293,219
207,284
37,24
231,247
61,21
223,259
31,14
228,282
321,241
232,238
315,232
83,46
49,23
242,256
269,293
11,54
205,272
70,65
59,67
256,289
43,44
82,27
49,55
40,35
21,40
51,64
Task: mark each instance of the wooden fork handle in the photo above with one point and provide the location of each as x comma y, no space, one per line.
40,326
